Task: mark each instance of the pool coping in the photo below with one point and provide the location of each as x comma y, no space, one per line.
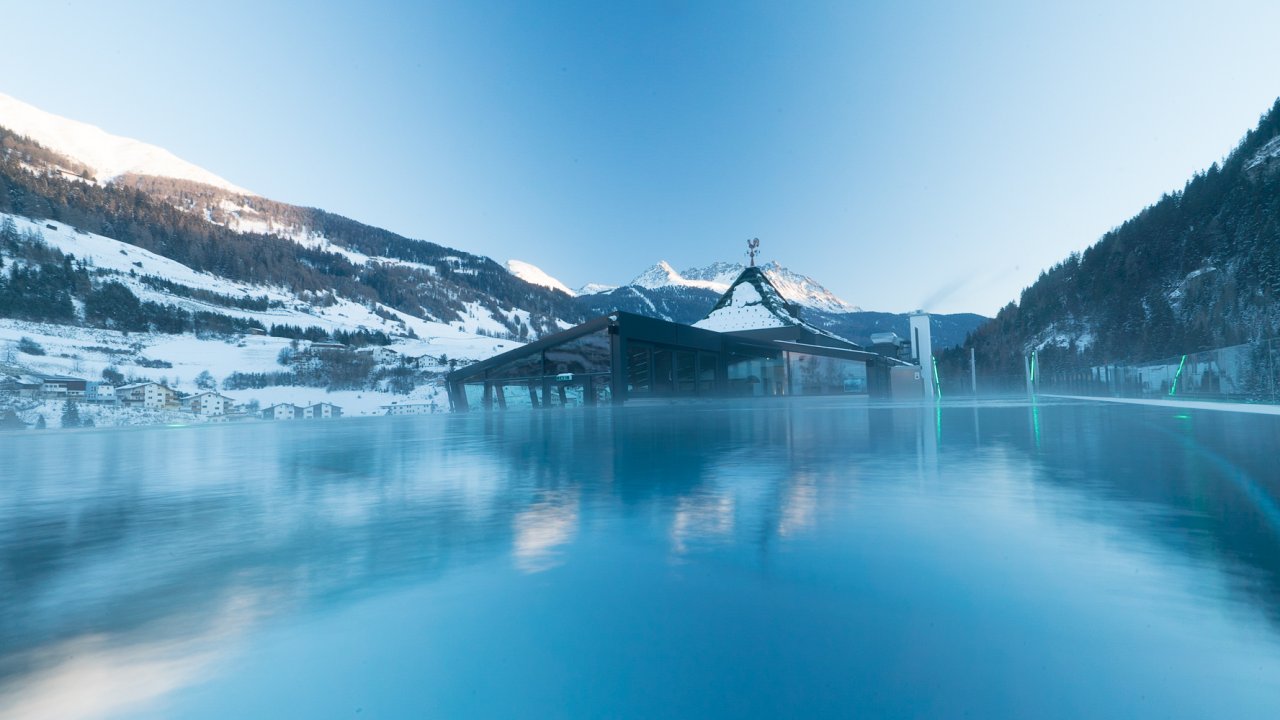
1258,409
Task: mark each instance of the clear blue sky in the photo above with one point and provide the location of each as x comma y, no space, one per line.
905,154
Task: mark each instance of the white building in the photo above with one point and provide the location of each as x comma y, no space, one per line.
283,411
150,395
100,392
208,404
409,408
61,386
321,411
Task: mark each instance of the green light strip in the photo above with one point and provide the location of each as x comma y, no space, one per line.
1033,367
937,384
1174,388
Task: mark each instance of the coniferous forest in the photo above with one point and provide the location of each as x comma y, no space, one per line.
1199,269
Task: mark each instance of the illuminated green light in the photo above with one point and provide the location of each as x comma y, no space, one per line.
1035,420
937,384
1033,366
1174,388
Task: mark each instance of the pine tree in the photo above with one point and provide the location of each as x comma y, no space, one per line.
11,421
205,381
70,415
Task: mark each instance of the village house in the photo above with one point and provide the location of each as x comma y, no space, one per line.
208,404
282,411
321,411
62,387
409,408
23,386
149,395
100,392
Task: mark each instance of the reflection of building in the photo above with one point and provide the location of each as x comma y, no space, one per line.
752,343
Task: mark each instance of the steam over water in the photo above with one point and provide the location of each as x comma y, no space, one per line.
791,559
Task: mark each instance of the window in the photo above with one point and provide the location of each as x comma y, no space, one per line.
707,363
685,375
662,371
639,368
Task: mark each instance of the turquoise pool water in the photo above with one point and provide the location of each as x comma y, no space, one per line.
808,559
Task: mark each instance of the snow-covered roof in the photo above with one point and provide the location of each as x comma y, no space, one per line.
750,303
134,386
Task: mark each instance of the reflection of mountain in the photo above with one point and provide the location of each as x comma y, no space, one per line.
110,535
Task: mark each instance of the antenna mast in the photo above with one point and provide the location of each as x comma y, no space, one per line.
753,249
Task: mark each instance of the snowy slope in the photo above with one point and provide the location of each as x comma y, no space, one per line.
535,275
594,288
126,263
110,156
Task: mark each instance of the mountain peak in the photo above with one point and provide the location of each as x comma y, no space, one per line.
108,156
718,276
535,275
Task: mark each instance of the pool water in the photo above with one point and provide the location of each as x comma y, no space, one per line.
819,558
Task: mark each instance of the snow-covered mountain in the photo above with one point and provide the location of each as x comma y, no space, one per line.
107,156
794,287
688,296
663,275
593,288
143,261
535,275
119,256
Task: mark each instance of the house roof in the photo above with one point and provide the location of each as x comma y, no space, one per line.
751,303
143,384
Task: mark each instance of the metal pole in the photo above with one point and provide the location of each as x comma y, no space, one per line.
973,371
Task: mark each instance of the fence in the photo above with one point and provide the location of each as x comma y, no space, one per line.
1241,373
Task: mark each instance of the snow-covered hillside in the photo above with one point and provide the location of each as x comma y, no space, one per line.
128,264
109,156
85,352
535,275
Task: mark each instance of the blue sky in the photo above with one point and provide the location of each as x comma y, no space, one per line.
906,155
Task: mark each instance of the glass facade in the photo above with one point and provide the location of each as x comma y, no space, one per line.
654,359
822,375
757,375
661,371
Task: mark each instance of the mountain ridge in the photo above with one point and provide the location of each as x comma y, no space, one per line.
108,156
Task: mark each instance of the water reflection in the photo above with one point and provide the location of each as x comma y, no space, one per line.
137,563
